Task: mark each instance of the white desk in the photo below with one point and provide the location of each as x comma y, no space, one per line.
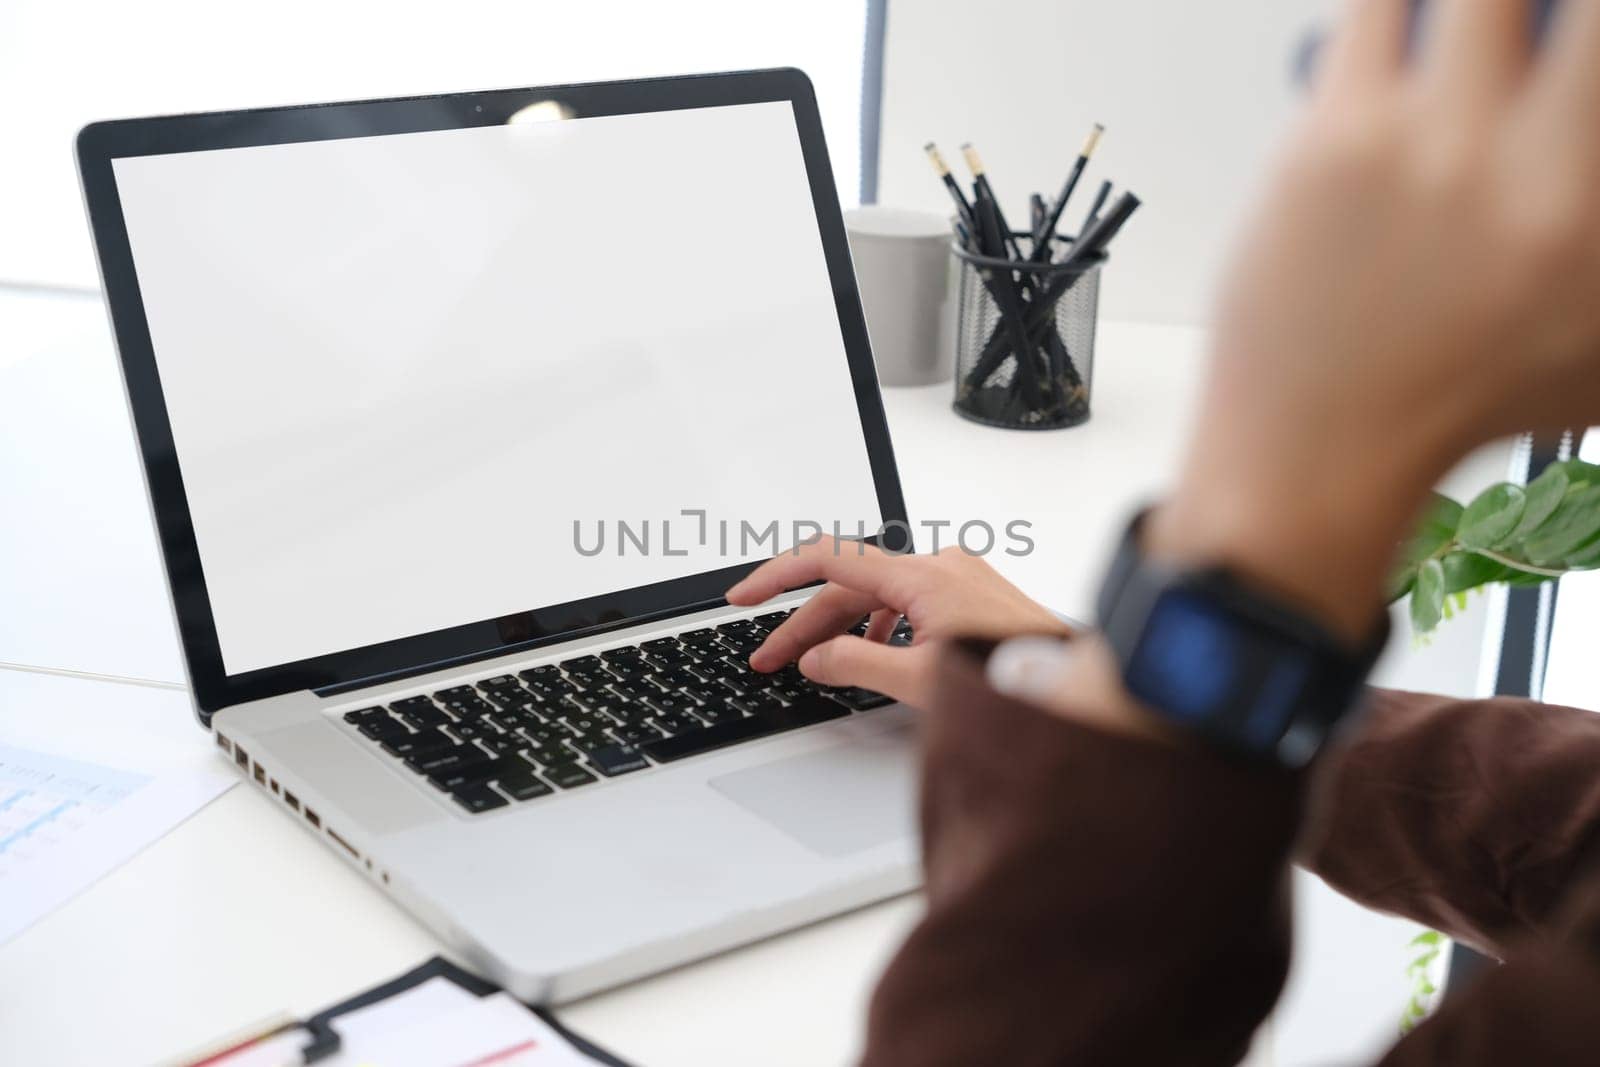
238,913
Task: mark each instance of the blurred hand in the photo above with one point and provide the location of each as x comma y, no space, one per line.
1423,276
950,594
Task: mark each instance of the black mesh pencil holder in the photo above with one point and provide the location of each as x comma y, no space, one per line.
1044,311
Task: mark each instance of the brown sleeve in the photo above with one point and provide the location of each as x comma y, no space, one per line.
1538,1008
1091,899
1472,817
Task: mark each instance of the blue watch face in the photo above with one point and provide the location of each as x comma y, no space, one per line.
1204,666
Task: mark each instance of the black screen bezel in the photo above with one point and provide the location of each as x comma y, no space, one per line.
213,689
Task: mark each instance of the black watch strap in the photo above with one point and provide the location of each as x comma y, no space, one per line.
1218,655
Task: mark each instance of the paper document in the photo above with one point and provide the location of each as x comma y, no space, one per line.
434,1024
65,823
439,1024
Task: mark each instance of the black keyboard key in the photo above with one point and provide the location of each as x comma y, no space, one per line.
583,744
419,742
628,670
581,663
630,711
356,718
635,733
612,760
592,701
808,713
502,744
660,643
499,681
773,619
513,698
479,798
703,694
589,679
383,729
543,672
548,755
665,659
674,679
861,699
469,730
445,759
749,682
550,688
739,686
523,785
756,703
672,702
568,776
741,647
505,721
455,691
715,714
452,778
583,722
551,733
467,707
627,653
737,626
676,722
424,716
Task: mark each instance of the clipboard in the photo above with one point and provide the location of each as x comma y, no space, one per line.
325,1040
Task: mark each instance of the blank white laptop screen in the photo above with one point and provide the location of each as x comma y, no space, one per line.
400,369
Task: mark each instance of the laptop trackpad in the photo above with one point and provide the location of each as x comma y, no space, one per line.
840,800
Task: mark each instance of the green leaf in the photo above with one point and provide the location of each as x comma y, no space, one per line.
1427,597
1492,517
1545,494
1580,473
1585,559
1427,937
1575,523
1464,571
1436,528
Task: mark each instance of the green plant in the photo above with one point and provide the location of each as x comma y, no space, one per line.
1508,533
1426,947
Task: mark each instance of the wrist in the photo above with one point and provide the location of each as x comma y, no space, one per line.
1314,519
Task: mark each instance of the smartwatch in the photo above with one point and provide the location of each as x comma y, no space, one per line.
1215,654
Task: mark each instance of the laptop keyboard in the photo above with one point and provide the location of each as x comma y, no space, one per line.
519,737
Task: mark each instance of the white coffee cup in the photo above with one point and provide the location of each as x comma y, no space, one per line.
904,269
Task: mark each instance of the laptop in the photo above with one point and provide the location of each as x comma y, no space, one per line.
458,415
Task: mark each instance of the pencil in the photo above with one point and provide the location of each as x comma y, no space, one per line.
1042,235
963,209
1095,209
1012,317
980,179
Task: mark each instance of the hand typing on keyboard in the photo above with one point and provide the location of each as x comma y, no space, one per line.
951,594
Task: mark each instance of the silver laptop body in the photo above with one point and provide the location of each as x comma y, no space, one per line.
458,414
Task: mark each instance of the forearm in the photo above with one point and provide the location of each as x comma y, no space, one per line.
1474,817
1092,898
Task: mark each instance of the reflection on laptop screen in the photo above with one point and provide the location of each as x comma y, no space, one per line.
400,369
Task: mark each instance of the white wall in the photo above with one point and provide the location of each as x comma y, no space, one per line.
1194,95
